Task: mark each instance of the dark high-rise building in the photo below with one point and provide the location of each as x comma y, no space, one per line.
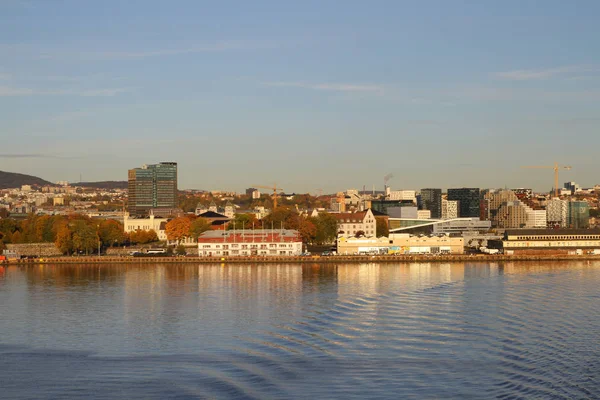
431,200
468,201
153,187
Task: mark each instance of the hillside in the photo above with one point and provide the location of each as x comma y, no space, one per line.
9,180
103,184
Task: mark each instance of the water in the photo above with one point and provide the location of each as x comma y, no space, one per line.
410,331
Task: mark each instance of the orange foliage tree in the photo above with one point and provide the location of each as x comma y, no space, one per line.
178,228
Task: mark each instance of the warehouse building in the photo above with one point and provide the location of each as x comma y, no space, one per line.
551,241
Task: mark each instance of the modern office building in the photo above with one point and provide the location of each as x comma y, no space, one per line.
449,209
468,201
557,211
152,189
578,215
431,200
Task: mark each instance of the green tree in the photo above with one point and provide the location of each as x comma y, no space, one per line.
243,221
326,228
198,226
381,227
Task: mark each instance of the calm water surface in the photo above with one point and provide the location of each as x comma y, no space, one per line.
417,331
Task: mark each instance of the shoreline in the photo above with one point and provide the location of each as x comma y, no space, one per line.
295,259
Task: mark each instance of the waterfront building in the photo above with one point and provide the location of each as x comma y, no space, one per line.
578,214
153,187
351,223
259,242
385,206
402,243
468,201
455,227
431,199
551,241
449,209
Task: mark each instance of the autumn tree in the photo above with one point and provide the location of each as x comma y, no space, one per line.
140,236
85,237
63,240
178,228
112,233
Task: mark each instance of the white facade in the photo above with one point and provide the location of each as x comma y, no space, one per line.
536,219
145,224
259,242
449,209
403,195
424,214
351,223
557,210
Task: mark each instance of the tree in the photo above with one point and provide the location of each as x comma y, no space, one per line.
140,236
178,228
85,237
63,239
243,221
112,233
198,226
326,228
381,227
359,234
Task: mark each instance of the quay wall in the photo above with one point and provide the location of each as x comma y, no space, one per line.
295,259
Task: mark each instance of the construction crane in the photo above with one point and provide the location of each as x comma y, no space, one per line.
555,167
274,188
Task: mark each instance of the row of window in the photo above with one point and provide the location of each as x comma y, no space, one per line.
559,237
246,246
247,253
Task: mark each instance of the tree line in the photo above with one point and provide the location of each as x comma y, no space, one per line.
70,233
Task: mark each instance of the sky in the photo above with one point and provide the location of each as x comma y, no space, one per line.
311,95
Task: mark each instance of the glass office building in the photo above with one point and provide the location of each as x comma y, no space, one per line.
431,199
152,187
468,201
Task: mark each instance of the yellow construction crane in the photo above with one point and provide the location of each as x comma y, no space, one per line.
555,167
274,188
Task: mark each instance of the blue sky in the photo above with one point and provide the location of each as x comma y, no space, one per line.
311,95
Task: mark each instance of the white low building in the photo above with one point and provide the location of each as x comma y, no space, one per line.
259,242
145,224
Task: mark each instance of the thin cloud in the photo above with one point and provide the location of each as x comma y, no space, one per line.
32,155
211,47
7,91
336,87
541,74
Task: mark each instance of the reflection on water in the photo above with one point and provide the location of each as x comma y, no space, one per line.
422,330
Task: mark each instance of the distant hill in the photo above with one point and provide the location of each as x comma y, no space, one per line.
10,180
103,184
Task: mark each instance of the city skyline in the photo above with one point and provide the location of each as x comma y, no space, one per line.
310,96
